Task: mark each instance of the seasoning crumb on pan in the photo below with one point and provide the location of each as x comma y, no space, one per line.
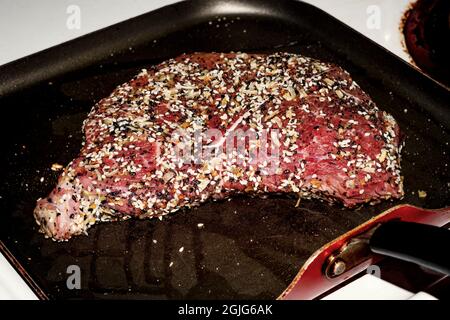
181,250
200,225
41,179
298,202
422,193
155,241
170,264
56,167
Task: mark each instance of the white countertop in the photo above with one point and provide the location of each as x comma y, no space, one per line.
30,26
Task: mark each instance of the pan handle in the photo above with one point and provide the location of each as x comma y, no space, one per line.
422,244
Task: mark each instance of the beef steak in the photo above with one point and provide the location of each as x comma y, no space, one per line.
209,125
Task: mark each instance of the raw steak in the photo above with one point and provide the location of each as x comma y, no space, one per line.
210,125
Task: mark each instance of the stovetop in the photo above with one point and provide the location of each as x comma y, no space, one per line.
24,31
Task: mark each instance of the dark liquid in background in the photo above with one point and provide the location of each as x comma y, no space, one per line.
427,36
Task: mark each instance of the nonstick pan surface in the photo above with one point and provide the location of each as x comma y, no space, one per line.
247,247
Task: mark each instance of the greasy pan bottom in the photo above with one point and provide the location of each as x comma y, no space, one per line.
248,247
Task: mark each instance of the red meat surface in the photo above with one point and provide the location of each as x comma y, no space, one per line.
278,123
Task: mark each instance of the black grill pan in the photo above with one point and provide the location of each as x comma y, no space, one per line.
248,247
